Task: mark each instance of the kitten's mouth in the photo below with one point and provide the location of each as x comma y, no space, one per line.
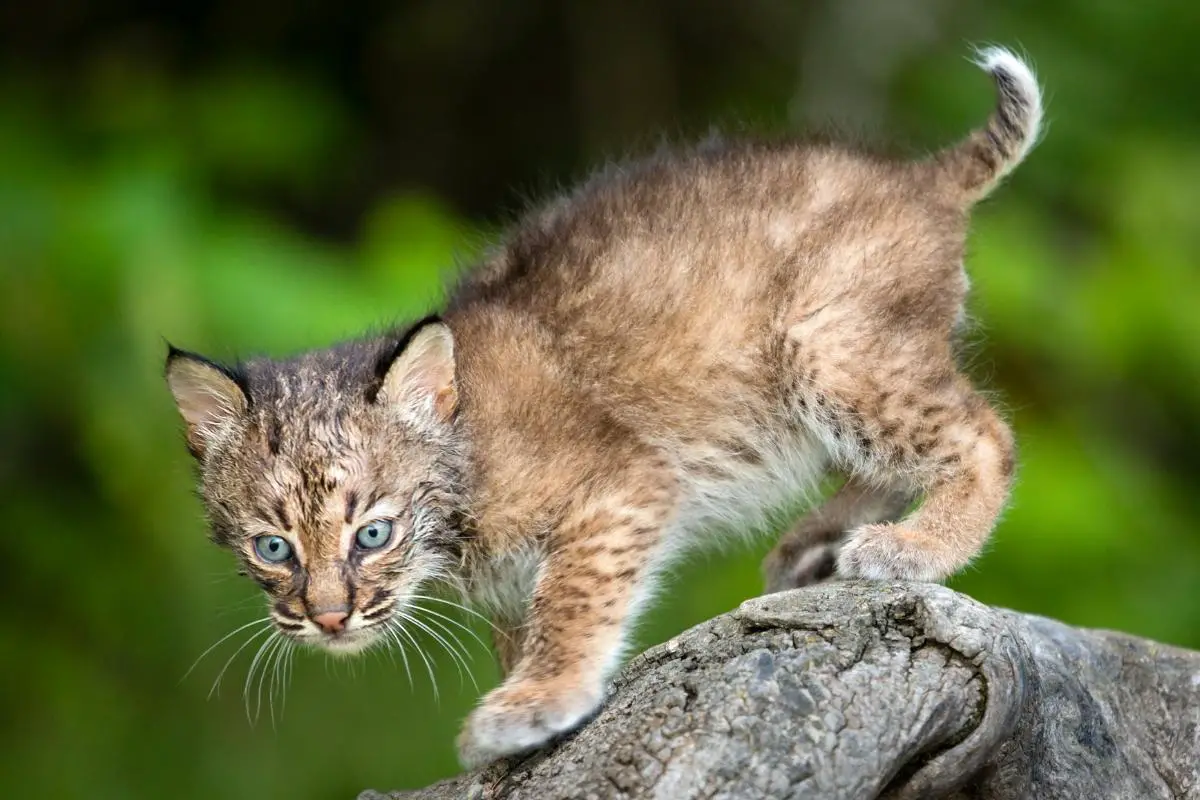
346,642
354,638
354,633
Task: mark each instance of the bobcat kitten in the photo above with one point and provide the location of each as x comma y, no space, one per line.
683,343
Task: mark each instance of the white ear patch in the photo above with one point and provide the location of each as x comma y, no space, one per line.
207,398
421,379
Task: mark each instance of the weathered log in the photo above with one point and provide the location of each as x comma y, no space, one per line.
855,690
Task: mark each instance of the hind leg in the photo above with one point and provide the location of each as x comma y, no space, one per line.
808,552
899,414
959,451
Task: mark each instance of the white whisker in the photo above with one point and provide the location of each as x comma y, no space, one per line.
250,674
459,606
420,652
465,655
217,643
395,637
456,623
454,655
287,677
276,685
268,663
281,674
383,644
217,683
280,655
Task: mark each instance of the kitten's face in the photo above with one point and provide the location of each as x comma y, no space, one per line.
334,481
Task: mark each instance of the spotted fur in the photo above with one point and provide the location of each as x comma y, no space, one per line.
684,344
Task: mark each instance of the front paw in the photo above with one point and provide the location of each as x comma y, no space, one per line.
890,552
524,715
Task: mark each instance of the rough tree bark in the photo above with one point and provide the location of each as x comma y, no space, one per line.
849,691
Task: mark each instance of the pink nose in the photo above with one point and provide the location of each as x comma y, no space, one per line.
331,621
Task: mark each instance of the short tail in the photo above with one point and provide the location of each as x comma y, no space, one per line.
972,168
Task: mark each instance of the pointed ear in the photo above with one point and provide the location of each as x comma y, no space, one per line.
207,395
420,381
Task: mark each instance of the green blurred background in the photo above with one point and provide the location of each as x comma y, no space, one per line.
268,176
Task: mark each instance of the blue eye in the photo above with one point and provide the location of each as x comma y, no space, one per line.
373,535
274,549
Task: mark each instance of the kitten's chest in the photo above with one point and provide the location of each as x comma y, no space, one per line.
740,488
503,584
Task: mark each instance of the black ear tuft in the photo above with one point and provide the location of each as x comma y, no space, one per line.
235,373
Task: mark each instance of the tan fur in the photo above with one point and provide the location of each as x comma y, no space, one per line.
684,342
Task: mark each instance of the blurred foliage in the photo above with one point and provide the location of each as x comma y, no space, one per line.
241,178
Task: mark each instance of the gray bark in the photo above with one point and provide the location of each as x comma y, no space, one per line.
852,690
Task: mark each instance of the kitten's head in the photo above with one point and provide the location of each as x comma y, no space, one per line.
334,476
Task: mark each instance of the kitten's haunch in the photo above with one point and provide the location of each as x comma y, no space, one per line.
684,344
